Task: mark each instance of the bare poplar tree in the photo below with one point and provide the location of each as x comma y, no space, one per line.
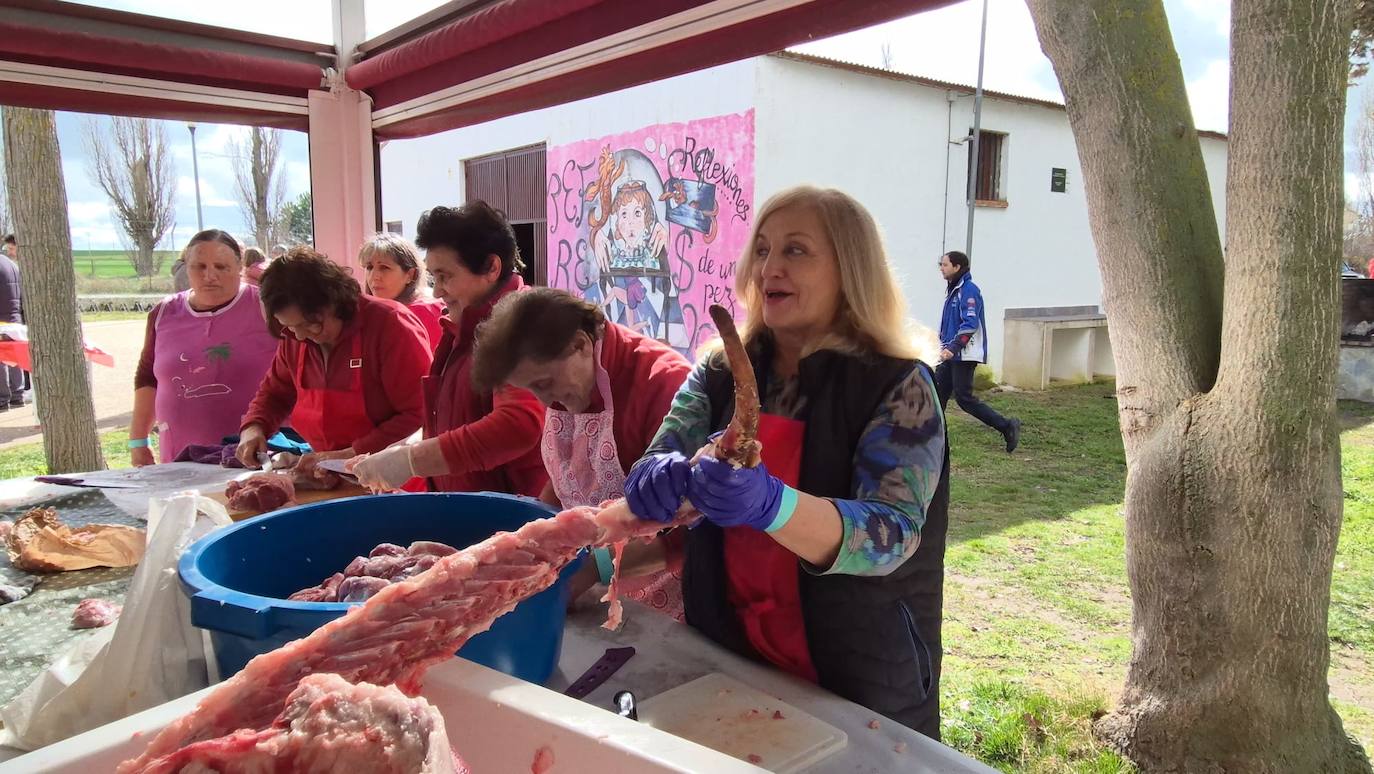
131,164
259,183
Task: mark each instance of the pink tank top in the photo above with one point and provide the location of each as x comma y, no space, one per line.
208,367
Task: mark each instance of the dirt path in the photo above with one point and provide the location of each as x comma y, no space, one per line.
113,388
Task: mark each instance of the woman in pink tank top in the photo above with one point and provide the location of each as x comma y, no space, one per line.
205,352
392,268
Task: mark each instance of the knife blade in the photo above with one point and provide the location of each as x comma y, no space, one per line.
81,482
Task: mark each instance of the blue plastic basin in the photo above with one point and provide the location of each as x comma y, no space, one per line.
238,578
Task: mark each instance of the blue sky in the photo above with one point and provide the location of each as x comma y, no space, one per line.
940,44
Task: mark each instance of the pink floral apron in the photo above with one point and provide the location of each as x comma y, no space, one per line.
584,468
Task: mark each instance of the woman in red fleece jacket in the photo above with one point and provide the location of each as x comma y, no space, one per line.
346,374
475,440
606,389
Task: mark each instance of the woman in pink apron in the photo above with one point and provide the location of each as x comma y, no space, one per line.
204,352
606,389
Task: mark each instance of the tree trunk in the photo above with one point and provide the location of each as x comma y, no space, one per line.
39,198
1233,495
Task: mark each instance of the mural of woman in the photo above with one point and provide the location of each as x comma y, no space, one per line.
632,254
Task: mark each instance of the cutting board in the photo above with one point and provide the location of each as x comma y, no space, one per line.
303,497
729,716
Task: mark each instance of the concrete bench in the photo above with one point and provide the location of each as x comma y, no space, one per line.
1055,344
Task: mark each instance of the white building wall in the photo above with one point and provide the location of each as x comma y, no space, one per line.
420,173
886,141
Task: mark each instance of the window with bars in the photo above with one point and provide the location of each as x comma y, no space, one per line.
988,185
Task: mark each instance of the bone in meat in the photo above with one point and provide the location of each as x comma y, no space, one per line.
329,725
739,443
407,627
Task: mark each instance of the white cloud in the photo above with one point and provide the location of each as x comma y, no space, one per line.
1216,13
209,195
943,44
1209,96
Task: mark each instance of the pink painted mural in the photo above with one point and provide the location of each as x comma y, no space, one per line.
650,223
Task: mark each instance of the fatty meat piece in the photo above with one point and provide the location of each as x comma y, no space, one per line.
329,725
261,493
95,613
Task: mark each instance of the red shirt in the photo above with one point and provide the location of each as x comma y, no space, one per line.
489,440
430,311
645,374
395,354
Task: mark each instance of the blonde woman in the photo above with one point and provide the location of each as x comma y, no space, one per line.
826,560
393,271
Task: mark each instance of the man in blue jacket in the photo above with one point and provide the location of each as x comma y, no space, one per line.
963,345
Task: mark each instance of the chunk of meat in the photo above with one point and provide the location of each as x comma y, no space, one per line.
95,613
329,725
262,492
316,481
366,575
40,542
406,627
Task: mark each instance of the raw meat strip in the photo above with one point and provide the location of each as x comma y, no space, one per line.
408,626
262,492
95,613
329,725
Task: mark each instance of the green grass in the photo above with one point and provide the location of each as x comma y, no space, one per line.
87,317
111,264
27,459
1037,607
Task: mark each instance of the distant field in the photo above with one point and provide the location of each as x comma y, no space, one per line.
112,264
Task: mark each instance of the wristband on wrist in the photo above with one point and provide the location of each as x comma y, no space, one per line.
138,443
786,507
605,566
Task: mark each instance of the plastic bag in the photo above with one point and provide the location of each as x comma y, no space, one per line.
150,656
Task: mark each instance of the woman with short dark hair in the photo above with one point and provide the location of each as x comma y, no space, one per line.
606,389
475,439
346,375
204,353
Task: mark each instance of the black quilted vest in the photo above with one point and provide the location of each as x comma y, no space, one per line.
873,640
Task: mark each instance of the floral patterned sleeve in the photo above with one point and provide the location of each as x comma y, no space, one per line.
896,470
688,424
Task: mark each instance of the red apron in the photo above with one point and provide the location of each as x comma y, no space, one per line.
330,420
763,586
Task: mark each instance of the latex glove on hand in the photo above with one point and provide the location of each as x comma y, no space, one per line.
740,497
656,486
385,471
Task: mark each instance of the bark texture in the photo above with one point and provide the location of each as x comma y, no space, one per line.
1233,496
38,195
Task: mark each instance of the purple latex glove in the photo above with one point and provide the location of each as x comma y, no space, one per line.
656,485
735,497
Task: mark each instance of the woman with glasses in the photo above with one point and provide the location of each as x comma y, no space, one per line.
347,375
